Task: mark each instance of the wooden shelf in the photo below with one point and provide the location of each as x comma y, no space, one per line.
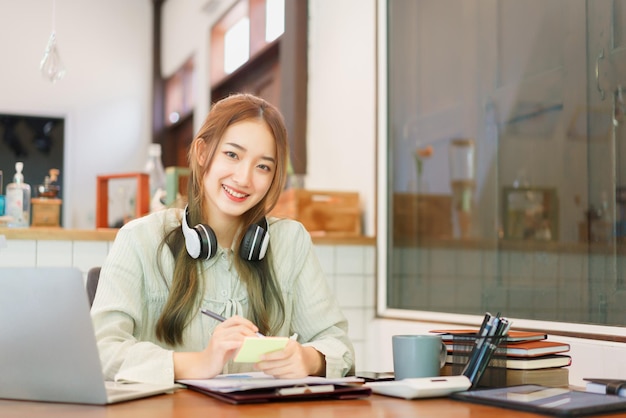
108,234
59,234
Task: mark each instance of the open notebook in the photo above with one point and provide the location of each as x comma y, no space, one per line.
48,346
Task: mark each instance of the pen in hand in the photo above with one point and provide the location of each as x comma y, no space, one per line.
222,319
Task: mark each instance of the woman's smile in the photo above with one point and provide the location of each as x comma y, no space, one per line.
234,194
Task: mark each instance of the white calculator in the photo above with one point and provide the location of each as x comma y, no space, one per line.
422,387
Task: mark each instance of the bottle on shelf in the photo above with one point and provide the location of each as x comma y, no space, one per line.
1,196
154,168
18,195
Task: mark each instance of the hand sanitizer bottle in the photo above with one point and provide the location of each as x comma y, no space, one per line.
18,200
1,196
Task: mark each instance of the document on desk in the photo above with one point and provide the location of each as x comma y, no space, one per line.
258,387
258,380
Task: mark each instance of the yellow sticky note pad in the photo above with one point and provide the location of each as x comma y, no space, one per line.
254,347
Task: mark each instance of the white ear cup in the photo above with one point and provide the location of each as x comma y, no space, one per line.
192,239
200,240
264,244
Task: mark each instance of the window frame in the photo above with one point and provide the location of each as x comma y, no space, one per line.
383,239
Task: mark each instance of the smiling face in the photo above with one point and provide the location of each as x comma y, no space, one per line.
242,170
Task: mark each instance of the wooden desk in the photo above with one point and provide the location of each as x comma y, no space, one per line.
188,404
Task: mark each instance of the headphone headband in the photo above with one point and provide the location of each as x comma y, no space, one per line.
201,242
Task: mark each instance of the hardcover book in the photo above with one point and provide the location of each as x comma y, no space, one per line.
522,363
536,348
512,336
520,349
551,377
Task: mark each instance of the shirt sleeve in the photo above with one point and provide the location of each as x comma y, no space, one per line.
127,304
316,315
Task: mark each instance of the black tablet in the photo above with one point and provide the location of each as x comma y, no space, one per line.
545,400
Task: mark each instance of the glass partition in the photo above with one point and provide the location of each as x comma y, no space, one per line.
502,126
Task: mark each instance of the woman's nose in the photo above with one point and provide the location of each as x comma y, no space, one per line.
242,174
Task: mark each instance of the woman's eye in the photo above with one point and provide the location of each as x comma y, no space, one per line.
231,154
264,167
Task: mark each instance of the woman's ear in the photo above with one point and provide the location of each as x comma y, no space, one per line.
200,151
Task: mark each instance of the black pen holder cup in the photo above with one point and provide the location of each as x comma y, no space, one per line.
463,346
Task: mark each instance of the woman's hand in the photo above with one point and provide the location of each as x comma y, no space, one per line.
227,338
293,362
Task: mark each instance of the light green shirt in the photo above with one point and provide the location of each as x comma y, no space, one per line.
132,293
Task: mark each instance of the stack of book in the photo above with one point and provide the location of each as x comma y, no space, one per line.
527,357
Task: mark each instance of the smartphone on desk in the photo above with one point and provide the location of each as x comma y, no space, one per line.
375,376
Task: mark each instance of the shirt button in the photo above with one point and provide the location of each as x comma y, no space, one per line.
224,292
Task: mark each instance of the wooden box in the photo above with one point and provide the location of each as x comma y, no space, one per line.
422,216
323,213
46,212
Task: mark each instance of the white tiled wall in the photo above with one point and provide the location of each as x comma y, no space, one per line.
49,253
18,253
350,270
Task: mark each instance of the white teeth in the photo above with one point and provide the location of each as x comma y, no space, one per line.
233,193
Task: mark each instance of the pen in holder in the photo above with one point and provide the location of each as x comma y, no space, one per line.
481,358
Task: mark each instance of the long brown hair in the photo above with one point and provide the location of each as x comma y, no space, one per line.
266,306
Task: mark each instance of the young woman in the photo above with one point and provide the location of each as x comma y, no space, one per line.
220,254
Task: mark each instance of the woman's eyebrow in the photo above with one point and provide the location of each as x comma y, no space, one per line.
235,145
270,159
239,147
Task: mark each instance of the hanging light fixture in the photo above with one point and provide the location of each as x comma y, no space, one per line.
51,66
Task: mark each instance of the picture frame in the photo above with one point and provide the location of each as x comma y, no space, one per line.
530,213
141,192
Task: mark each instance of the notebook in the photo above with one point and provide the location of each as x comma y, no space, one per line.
48,345
256,387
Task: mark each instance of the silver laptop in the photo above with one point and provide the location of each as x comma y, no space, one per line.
48,349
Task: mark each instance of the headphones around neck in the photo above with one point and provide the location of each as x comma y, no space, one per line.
201,242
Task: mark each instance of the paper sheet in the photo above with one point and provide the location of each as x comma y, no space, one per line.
253,348
255,380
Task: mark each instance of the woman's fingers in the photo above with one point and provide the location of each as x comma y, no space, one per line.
287,363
